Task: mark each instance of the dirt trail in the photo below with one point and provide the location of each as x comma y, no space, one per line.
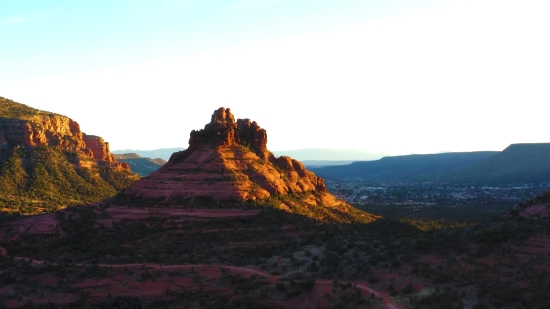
242,270
387,302
253,271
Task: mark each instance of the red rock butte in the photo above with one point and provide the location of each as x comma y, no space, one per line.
228,161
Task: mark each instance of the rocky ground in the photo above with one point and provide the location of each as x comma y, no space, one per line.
223,258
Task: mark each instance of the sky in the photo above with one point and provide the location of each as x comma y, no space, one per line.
392,76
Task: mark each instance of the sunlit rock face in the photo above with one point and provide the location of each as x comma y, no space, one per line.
47,163
34,128
228,160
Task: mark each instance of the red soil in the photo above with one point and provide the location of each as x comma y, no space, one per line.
533,245
541,210
120,283
48,224
432,259
127,279
43,224
119,212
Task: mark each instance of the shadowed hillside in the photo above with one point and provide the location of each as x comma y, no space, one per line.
518,163
111,256
407,167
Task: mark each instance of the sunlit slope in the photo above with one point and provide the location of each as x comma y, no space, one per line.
48,163
47,179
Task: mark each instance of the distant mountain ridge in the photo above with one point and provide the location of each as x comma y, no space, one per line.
321,163
139,165
518,163
407,166
327,154
163,153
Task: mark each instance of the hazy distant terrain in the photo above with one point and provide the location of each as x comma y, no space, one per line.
517,163
139,165
321,163
408,166
163,153
326,154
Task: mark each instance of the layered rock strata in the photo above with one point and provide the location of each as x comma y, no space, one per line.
37,128
47,163
228,160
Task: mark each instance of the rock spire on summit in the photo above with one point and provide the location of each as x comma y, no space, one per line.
223,130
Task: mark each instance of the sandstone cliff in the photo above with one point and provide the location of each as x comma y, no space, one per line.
228,160
48,163
29,127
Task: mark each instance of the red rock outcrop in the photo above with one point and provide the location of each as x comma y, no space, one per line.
228,160
43,130
223,130
99,148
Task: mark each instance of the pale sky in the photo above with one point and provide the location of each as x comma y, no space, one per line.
388,76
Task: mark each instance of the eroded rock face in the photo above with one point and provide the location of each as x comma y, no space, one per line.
56,131
99,148
223,130
228,160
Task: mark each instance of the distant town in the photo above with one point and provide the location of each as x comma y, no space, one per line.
387,193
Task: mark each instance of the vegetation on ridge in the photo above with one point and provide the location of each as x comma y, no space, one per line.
294,202
12,109
44,179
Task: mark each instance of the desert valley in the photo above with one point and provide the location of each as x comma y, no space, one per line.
177,154
227,224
